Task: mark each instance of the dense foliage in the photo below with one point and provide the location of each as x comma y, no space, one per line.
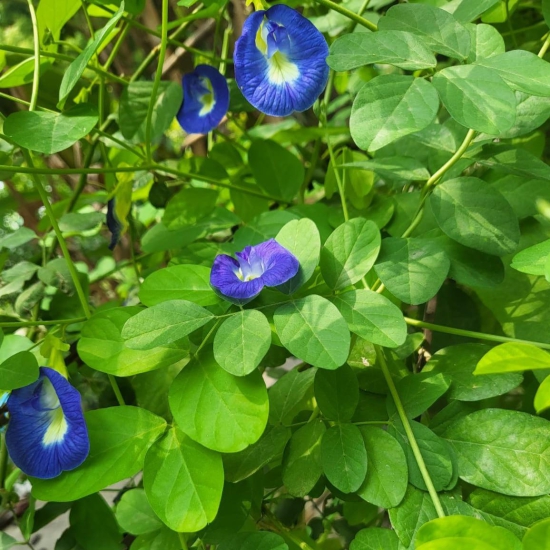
321,331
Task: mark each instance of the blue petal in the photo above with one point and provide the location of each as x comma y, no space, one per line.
285,82
113,223
205,100
225,281
47,433
280,265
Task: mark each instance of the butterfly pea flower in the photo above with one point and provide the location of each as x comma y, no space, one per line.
205,100
280,61
242,279
113,223
46,433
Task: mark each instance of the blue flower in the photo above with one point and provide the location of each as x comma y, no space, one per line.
205,100
266,264
280,61
47,433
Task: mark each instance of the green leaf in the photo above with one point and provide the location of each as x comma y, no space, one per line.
102,347
23,73
268,448
189,206
413,511
458,364
472,268
53,14
50,133
400,168
486,41
515,161
503,451
183,482
513,357
134,104
476,215
179,282
21,369
261,540
413,270
375,538
301,237
7,541
350,252
277,171
262,227
418,392
119,439
434,450
302,466
93,524
477,97
438,28
19,237
75,223
387,474
76,68
242,341
448,532
223,412
337,393
135,515
372,317
402,49
344,457
163,324
287,395
163,539
313,330
470,10
542,397
389,107
531,113
533,260
523,70
538,536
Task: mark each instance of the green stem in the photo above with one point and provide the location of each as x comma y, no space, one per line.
53,221
62,57
545,47
116,390
147,167
324,118
3,460
472,334
36,41
410,435
453,160
183,542
156,84
349,14
20,324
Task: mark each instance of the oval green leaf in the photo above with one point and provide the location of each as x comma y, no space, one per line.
223,412
313,330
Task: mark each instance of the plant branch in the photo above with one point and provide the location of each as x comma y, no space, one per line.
158,76
36,42
349,14
410,435
472,334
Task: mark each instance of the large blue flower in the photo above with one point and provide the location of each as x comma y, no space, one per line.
266,264
280,61
205,100
47,433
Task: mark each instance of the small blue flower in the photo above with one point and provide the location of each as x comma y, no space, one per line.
205,100
241,280
47,433
113,223
280,61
